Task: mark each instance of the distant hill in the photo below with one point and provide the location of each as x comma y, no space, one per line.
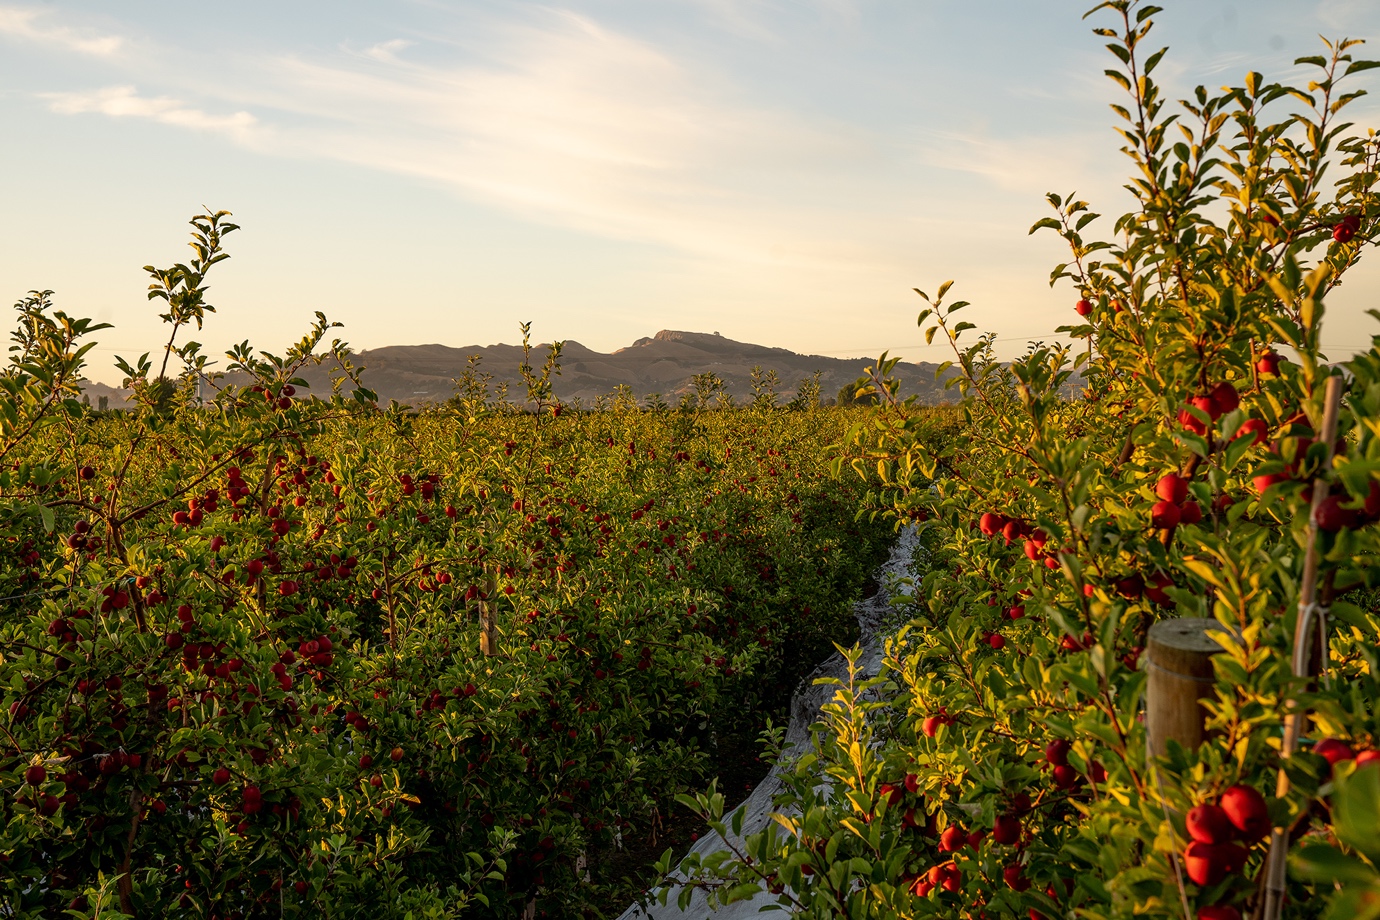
665,363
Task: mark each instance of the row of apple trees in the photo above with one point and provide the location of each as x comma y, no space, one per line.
285,655
1178,460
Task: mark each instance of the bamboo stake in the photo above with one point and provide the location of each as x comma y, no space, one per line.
1302,658
488,635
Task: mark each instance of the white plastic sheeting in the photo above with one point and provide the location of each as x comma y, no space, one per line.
873,615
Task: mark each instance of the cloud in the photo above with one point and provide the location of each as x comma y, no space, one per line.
743,18
1348,16
569,122
125,102
1032,165
387,51
562,120
23,24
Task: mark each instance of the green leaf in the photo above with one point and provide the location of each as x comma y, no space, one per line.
1356,807
740,892
1324,864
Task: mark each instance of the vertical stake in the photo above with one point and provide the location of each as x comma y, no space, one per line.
1302,659
488,632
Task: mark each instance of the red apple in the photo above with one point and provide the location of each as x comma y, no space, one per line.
1006,829
1131,587
1164,515
1206,863
1344,231
1083,307
1245,808
35,775
1333,750
1332,517
1155,590
1218,912
1268,363
1190,512
1209,824
1371,509
1255,428
952,840
1172,488
1065,776
1205,405
1057,752
1226,397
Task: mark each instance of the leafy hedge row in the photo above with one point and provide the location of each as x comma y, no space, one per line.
240,666
1184,463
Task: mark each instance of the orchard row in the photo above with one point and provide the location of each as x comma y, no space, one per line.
242,671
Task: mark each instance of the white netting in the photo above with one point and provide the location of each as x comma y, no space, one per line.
873,614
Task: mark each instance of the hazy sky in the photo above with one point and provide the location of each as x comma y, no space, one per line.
781,171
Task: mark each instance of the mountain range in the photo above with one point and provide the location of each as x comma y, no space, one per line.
665,364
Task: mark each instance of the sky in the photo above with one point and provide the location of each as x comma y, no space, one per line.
781,171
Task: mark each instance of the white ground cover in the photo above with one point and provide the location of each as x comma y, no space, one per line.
874,616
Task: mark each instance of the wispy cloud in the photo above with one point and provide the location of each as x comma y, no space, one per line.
556,117
562,120
1348,16
125,102
1032,165
27,25
387,52
744,18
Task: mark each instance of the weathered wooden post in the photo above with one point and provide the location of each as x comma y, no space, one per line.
1180,666
488,632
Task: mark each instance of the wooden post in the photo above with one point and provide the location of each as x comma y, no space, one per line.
1180,666
488,632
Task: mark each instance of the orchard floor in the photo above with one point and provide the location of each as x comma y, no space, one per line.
873,613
